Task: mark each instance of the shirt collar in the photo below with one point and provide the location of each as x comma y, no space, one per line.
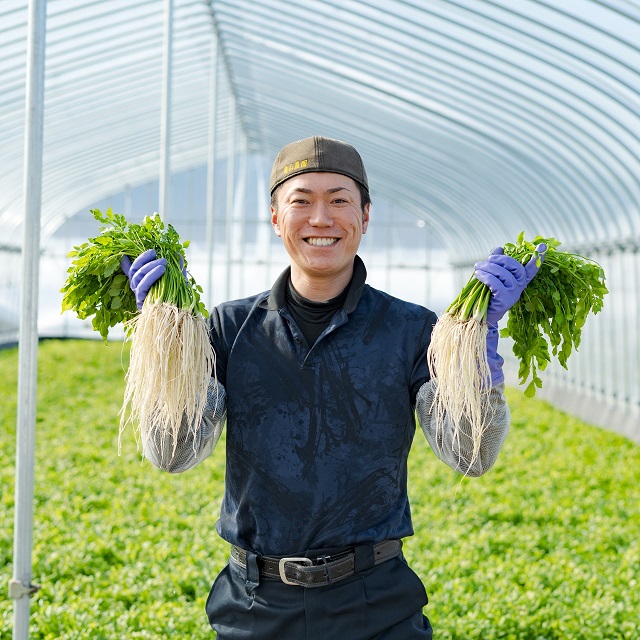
277,298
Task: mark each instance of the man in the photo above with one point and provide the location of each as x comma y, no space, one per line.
320,378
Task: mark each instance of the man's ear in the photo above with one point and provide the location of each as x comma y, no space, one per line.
274,222
365,217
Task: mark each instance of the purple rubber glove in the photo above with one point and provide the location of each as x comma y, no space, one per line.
494,359
143,272
507,279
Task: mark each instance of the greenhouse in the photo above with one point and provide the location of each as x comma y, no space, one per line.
477,120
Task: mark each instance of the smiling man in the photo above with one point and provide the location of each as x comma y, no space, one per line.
319,214
320,218
319,380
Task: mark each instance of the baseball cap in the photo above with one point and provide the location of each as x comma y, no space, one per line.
317,154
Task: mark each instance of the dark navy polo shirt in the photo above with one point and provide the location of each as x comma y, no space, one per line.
317,439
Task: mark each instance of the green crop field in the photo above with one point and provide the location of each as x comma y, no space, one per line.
545,546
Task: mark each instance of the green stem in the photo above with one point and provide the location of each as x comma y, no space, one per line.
480,311
471,302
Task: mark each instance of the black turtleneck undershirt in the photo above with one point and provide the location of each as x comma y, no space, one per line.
313,317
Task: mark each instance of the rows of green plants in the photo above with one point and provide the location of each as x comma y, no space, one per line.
545,546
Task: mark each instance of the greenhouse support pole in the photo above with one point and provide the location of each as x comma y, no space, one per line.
265,230
165,130
240,214
388,245
20,587
211,165
635,313
231,163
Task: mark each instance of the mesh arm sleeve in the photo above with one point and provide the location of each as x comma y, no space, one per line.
457,452
191,451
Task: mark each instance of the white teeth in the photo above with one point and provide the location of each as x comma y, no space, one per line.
322,242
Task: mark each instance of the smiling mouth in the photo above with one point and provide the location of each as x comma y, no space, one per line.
321,242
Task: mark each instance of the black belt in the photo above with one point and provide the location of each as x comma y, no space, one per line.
324,570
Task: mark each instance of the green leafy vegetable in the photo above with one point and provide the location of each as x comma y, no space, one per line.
97,287
171,361
552,310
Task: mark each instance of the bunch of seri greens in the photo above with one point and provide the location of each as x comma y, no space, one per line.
549,316
171,360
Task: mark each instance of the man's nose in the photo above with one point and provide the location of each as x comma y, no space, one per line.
320,215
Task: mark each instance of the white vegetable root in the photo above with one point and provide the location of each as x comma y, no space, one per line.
457,358
171,363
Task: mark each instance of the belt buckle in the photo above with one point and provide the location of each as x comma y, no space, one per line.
281,567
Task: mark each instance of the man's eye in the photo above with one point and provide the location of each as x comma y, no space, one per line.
340,200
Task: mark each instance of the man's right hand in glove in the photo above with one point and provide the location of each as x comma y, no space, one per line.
143,272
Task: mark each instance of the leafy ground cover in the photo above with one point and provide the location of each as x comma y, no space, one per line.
545,546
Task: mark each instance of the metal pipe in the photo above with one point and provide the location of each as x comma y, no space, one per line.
604,340
264,233
165,125
428,257
20,587
231,161
388,245
635,312
128,201
621,333
240,215
211,165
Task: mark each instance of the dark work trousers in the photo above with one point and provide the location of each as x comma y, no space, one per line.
380,603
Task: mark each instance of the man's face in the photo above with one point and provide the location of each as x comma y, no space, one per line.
321,222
